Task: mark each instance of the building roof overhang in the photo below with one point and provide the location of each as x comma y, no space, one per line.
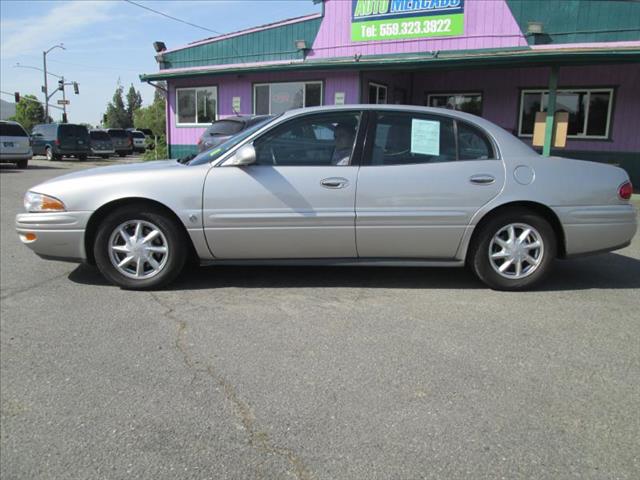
458,59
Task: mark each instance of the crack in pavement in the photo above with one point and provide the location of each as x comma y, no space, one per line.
256,438
16,291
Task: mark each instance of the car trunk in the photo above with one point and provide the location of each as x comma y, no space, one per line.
13,140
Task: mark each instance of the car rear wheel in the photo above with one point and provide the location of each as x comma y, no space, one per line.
22,164
82,158
50,155
122,154
140,248
513,251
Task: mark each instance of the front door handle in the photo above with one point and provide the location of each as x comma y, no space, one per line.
482,179
334,182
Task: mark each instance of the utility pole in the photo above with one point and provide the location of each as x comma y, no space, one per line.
64,103
46,89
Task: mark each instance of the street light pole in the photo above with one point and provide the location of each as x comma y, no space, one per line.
46,89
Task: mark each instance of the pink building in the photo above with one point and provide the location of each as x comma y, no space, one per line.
499,59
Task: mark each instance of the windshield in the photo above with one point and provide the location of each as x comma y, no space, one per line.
225,127
99,136
73,130
117,133
216,152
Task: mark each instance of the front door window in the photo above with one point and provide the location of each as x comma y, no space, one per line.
317,140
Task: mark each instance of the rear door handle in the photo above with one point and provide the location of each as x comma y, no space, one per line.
482,179
334,182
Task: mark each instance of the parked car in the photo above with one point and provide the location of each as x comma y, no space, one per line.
139,141
58,140
122,141
15,144
101,143
341,185
221,130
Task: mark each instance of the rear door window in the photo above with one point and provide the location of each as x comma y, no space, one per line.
11,130
473,144
405,138
99,136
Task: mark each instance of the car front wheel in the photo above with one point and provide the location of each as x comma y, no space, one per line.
140,248
513,251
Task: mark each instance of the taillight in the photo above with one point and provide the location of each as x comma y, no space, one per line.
57,142
625,191
199,141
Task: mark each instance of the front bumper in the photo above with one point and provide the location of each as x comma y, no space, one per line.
58,235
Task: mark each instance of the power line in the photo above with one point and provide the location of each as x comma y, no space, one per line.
173,18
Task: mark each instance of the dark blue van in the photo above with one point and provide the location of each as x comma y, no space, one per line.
57,140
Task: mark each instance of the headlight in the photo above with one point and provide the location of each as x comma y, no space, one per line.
37,202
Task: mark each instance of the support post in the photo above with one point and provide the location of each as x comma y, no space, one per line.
551,110
46,91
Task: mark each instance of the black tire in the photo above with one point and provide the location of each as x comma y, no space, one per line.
122,154
82,158
22,164
105,156
176,244
479,260
50,155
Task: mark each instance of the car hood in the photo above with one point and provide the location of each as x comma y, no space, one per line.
165,181
131,168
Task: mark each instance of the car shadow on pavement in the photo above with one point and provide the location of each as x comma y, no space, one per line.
608,271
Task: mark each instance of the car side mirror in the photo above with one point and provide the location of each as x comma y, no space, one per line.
246,155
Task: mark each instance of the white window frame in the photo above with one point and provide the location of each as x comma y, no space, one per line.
304,91
379,86
195,89
454,94
588,91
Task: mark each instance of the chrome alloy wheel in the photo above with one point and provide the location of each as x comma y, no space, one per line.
516,251
138,249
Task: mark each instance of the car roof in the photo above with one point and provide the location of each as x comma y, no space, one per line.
507,143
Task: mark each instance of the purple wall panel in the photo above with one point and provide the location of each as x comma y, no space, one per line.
501,90
230,86
488,24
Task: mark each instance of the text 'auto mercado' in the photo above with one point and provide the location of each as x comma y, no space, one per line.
505,60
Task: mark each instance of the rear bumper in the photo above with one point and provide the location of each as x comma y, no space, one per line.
95,151
15,157
597,229
58,235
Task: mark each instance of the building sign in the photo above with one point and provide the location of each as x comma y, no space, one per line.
400,19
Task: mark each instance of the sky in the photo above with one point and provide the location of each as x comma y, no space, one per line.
111,41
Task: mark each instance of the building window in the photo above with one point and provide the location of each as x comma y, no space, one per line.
589,111
463,102
275,98
196,106
377,93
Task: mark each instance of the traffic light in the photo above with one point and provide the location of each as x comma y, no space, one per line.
16,96
76,90
60,84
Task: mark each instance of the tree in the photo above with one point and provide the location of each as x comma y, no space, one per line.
154,118
29,112
134,103
117,116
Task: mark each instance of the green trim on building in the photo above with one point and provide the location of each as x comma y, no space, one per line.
264,45
579,21
508,57
179,151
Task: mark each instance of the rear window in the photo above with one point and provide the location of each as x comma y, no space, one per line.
11,130
225,127
137,134
118,133
68,130
99,136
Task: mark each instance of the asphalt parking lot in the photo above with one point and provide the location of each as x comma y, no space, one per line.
314,373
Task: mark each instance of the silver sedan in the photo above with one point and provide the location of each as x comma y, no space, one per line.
348,185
